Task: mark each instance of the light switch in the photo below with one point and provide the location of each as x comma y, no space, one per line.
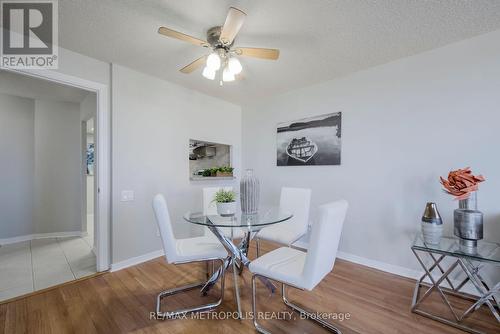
127,196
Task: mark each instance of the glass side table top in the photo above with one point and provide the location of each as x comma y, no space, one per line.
486,251
263,218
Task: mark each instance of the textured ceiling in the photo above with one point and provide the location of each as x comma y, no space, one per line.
319,39
33,88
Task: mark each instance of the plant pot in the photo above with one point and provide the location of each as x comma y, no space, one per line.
226,209
224,174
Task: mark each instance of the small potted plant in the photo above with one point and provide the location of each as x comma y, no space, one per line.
225,171
226,202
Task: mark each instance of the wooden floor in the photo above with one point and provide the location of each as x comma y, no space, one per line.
121,302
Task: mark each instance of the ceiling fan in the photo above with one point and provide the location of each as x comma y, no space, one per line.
223,56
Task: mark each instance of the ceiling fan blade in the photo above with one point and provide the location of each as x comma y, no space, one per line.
271,54
234,21
183,37
194,65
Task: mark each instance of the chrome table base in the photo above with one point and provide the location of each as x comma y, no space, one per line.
238,259
487,295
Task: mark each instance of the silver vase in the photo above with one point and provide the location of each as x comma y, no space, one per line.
432,225
468,223
249,193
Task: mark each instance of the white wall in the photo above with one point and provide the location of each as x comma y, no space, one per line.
58,185
83,67
404,124
16,165
153,121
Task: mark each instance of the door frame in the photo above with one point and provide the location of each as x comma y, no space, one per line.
102,210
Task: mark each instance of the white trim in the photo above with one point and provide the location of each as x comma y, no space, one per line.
390,268
136,260
103,139
28,237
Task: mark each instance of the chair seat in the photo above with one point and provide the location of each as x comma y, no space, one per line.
277,233
283,264
199,249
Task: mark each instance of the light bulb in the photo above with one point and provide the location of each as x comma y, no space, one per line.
234,65
213,61
208,73
227,75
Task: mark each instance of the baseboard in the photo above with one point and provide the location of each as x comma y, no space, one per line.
28,237
136,260
389,268
379,265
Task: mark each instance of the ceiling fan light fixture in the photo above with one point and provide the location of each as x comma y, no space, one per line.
234,65
227,75
208,73
213,61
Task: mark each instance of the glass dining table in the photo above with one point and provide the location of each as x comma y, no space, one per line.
222,227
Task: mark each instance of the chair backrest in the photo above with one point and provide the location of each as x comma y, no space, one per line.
324,242
296,201
209,206
165,226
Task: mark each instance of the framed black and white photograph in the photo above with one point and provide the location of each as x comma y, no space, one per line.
311,141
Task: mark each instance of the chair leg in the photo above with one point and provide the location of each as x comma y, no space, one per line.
258,327
201,308
308,314
257,246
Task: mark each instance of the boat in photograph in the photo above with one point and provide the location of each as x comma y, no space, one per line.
302,149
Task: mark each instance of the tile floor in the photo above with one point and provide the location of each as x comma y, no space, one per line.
38,264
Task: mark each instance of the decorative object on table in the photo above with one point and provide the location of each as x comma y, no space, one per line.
226,202
90,158
461,183
249,193
468,221
310,141
432,224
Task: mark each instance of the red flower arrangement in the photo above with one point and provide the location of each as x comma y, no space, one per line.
461,183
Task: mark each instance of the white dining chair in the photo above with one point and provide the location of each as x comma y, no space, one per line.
297,202
303,270
180,251
210,208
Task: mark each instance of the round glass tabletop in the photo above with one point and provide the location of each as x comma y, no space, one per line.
263,218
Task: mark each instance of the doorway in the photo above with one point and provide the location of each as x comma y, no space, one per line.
39,256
